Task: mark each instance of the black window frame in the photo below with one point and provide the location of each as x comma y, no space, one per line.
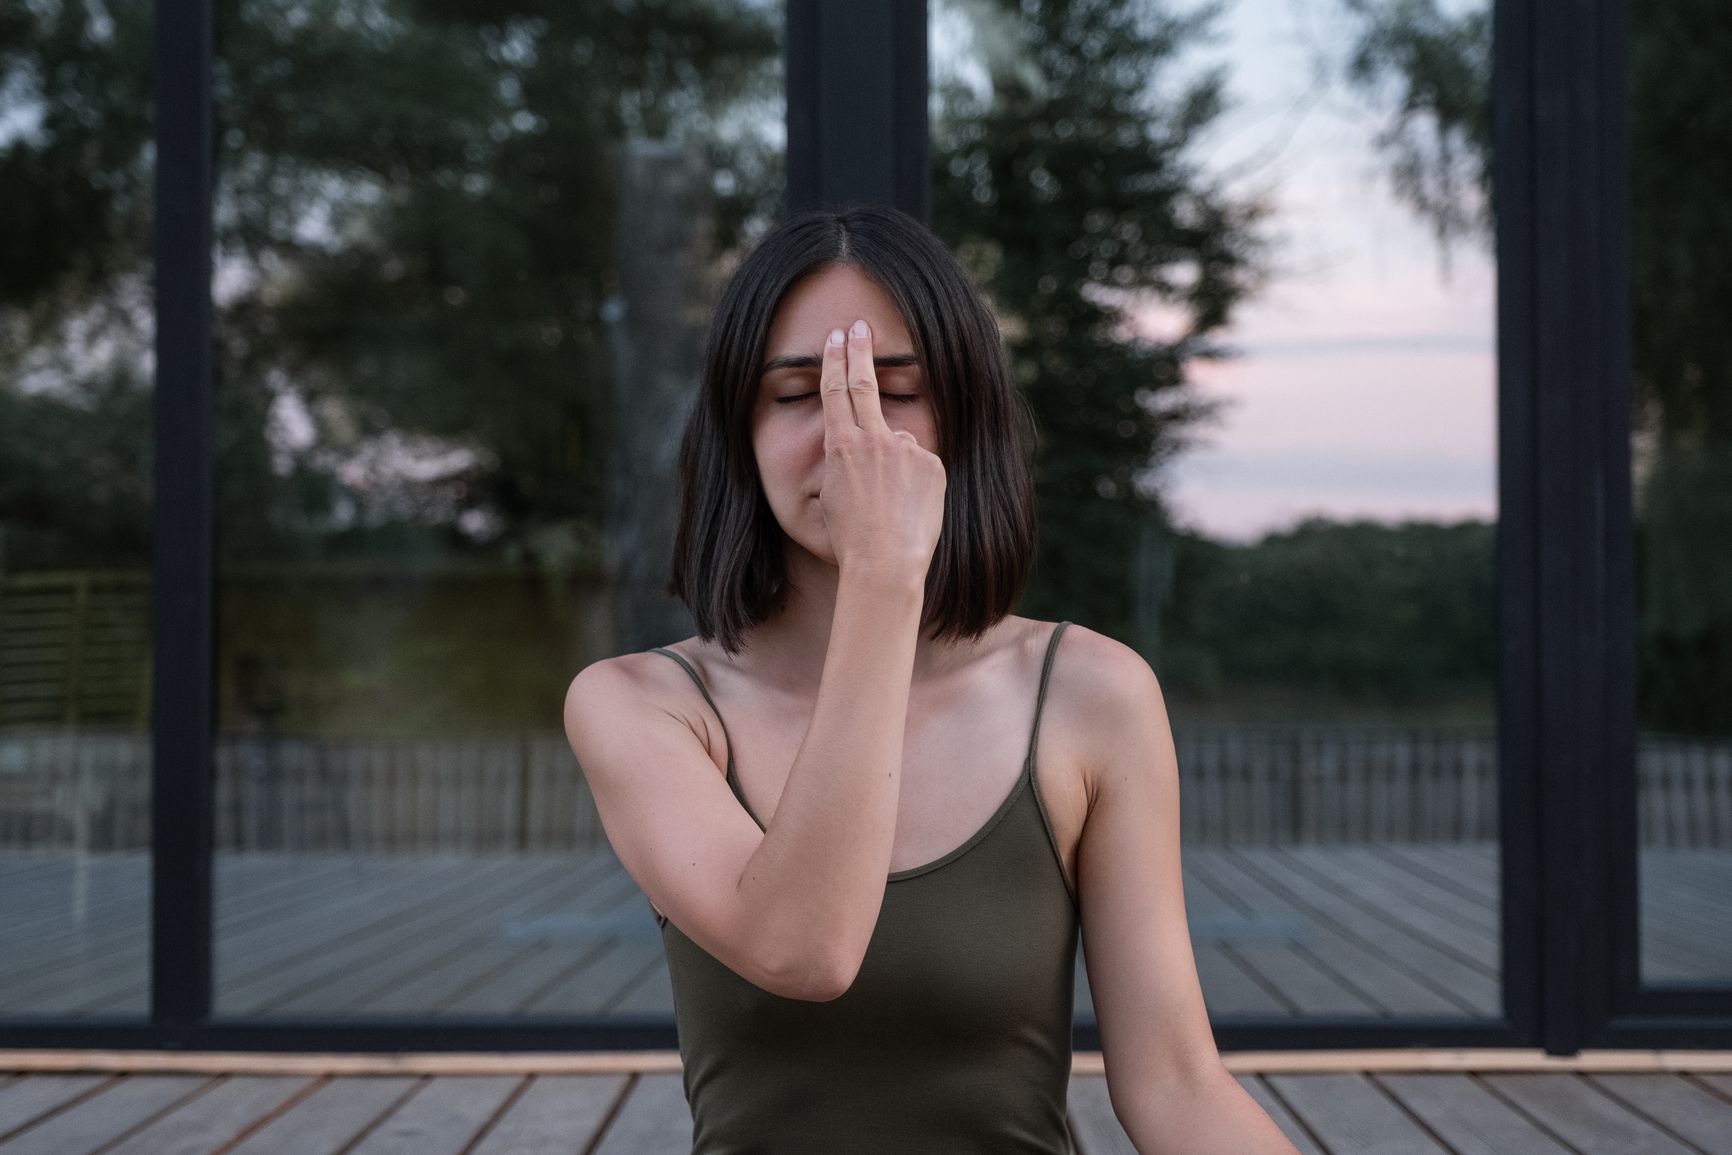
857,130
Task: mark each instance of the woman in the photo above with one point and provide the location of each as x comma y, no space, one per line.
869,887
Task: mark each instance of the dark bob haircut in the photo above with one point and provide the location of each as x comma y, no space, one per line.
728,565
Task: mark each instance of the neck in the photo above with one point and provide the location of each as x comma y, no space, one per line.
795,641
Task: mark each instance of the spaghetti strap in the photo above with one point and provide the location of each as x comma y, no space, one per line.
1029,772
704,690
1040,697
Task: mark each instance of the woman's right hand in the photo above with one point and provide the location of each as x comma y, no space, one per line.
883,493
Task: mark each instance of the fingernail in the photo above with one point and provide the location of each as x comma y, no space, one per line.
835,336
859,328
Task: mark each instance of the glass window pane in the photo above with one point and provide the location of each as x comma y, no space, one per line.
465,257
1681,458
1243,266
76,379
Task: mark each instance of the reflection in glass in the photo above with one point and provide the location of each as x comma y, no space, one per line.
465,258
1682,489
76,334
1267,399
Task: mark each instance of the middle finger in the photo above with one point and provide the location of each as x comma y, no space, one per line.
863,378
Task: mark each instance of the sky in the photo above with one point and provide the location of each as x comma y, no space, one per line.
1367,382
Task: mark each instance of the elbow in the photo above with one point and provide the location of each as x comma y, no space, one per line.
815,978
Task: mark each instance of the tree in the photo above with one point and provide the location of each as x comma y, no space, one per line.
414,249
1438,68
1071,192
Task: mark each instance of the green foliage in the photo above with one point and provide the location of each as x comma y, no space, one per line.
1072,193
1355,610
414,243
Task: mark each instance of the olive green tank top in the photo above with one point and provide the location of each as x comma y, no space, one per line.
955,1037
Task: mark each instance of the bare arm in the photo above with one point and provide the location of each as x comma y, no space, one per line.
1165,1077
791,907
815,885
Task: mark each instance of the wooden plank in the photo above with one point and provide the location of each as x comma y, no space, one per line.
1394,985
1465,985
1685,1109
393,891
1586,1118
653,1120
215,1117
450,954
100,967
441,1117
1366,861
555,1115
1272,1106
117,978
1418,920
1471,866
117,913
1229,989
1350,1115
462,888
652,994
99,1120
1279,977
1720,1084
434,977
606,976
1708,1068
372,964
1093,1124
328,1120
1467,1117
528,976
24,1100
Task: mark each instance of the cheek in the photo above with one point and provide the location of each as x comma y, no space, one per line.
920,420
786,446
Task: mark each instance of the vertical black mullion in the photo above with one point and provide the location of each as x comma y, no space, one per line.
1579,360
1619,801
1519,837
182,581
1561,750
800,70
911,121
857,87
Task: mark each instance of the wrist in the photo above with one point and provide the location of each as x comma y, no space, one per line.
905,585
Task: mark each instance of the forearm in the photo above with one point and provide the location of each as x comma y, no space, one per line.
1208,1115
816,882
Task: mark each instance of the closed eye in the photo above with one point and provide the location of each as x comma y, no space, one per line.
802,396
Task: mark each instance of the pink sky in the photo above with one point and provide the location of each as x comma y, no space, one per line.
1367,387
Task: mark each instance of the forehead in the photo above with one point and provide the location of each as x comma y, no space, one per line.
832,298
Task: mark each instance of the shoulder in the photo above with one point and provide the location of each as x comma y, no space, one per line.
1106,698
623,682
610,695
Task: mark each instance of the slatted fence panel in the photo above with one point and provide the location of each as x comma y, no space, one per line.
1239,786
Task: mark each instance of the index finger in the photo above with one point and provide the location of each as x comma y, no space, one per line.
863,379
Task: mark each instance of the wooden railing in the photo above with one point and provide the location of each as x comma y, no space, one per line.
524,792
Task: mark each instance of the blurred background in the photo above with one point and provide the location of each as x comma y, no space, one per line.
464,261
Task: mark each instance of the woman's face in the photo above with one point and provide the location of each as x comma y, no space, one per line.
788,418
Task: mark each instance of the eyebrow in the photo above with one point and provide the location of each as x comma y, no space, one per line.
812,361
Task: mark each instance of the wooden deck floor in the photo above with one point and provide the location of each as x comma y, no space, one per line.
1350,1113
1376,930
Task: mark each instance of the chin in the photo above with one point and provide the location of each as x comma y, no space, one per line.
818,549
